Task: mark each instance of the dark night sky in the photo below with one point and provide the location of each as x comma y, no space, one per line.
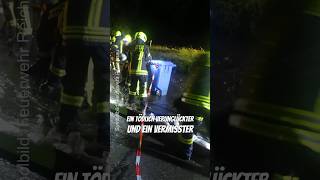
167,22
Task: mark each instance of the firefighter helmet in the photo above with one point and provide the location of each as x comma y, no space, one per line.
118,33
127,39
141,35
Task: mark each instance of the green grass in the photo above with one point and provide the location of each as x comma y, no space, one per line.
182,57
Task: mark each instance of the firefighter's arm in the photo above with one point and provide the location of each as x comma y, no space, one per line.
148,56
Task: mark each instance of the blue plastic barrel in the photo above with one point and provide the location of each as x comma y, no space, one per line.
162,75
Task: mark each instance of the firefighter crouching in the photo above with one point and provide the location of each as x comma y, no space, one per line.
139,57
195,101
86,35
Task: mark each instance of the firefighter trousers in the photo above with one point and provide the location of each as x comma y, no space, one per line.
78,56
138,88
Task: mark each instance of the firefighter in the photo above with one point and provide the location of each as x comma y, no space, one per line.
124,60
274,125
195,101
116,49
52,86
86,35
48,37
139,57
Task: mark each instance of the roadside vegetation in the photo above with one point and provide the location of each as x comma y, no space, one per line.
182,57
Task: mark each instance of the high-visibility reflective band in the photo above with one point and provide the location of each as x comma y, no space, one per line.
140,58
99,30
87,30
184,140
103,107
281,177
282,133
196,103
312,13
97,10
138,72
90,38
145,94
72,100
132,93
292,116
57,71
197,97
91,33
199,118
313,8
95,13
317,105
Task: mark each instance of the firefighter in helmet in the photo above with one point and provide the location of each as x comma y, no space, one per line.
139,57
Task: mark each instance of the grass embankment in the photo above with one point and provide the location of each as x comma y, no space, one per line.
182,57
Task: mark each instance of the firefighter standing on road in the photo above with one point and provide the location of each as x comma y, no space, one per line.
86,35
139,57
195,101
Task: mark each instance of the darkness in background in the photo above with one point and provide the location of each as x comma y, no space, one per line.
241,43
167,22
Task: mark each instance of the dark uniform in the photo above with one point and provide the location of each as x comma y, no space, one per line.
57,67
116,48
195,101
48,38
274,126
139,57
86,35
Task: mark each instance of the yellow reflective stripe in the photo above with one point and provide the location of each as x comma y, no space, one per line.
89,32
78,28
132,93
145,94
121,47
184,140
312,13
103,107
87,38
281,177
283,133
199,118
65,14
197,97
92,10
72,100
313,8
317,104
100,32
277,113
58,72
140,58
196,103
288,111
98,10
138,72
